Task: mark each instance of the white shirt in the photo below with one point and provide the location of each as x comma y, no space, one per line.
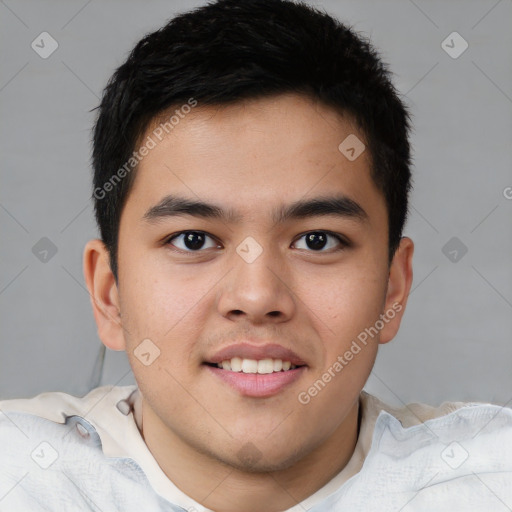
61,452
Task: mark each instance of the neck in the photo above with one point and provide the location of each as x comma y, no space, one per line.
223,488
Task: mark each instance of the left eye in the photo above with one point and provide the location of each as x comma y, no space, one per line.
192,241
318,240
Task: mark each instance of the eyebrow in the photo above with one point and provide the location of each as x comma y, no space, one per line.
339,206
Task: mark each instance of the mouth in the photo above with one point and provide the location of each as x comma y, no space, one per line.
254,366
255,370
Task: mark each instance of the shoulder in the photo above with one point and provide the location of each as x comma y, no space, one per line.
458,427
56,405
52,457
456,456
444,457
56,419
413,413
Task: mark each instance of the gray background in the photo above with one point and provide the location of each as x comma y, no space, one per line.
455,340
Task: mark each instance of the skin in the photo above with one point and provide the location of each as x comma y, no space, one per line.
252,157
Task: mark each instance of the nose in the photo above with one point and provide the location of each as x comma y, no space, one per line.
258,291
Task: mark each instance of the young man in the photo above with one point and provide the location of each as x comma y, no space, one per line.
251,174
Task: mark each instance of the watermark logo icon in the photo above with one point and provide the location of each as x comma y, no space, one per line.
351,147
146,352
454,45
249,249
454,249
249,454
454,455
44,455
44,250
44,45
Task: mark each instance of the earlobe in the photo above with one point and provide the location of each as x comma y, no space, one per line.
399,286
103,291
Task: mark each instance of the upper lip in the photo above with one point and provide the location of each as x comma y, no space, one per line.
248,351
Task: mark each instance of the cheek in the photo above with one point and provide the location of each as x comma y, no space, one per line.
342,307
160,304
344,302
168,312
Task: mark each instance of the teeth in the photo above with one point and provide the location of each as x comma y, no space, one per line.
263,366
236,364
249,366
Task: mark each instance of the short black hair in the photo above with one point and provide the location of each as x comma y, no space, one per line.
231,50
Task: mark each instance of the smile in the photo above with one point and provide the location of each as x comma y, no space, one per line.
247,379
263,366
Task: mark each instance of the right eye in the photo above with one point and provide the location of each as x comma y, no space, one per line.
191,241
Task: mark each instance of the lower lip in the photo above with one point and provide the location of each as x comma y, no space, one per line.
256,384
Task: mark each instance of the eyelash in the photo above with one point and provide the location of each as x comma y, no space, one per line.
342,241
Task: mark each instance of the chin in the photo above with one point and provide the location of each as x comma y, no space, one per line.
250,459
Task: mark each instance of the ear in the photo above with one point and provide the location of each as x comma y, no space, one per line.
104,294
399,286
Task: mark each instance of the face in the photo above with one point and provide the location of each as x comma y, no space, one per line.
253,280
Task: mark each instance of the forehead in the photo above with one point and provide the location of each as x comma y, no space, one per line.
253,155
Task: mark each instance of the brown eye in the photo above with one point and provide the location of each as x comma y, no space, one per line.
191,241
319,240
